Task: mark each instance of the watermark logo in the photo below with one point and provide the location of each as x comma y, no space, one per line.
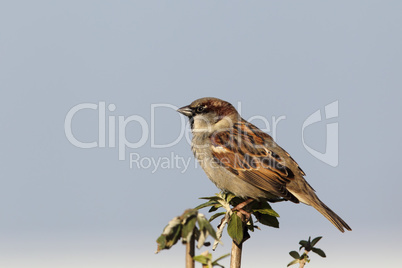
123,142
330,156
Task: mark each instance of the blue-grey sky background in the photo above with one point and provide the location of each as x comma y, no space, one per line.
63,206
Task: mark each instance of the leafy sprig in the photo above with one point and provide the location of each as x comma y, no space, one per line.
308,246
206,259
185,227
237,227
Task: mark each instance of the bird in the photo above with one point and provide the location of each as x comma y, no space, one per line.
241,159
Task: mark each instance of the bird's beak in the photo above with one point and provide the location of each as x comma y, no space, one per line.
186,110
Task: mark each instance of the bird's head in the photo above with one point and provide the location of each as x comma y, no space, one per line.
210,114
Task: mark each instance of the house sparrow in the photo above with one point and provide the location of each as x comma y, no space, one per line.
241,159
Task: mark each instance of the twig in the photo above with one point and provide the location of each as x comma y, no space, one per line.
303,261
219,231
206,265
190,252
235,256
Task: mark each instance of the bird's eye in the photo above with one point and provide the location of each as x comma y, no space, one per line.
200,109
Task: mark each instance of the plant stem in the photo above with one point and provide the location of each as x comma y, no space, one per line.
235,256
190,253
303,262
205,253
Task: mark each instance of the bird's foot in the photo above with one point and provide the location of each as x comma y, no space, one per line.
246,214
239,208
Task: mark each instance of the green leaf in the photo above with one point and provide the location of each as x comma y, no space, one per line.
161,243
319,252
210,229
206,204
303,244
188,227
235,228
171,234
201,238
294,254
203,223
214,208
267,220
171,225
173,237
202,259
293,262
267,211
315,241
306,244
189,213
169,237
216,215
212,198
229,197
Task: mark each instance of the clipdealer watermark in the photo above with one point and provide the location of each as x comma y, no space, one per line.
173,161
112,126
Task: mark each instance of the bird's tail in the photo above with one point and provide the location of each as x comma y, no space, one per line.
330,215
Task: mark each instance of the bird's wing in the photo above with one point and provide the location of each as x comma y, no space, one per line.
253,156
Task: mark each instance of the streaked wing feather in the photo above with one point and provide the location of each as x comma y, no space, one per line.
243,151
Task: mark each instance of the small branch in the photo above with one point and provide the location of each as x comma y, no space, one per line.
303,262
190,252
235,256
206,265
224,221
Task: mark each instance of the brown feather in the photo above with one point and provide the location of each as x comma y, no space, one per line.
259,166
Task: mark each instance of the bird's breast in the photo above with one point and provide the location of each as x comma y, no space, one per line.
220,176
